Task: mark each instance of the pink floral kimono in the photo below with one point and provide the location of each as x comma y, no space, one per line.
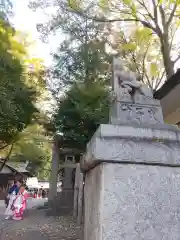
19,205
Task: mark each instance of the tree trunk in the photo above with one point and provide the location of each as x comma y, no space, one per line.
165,49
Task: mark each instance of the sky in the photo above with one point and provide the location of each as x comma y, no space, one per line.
25,20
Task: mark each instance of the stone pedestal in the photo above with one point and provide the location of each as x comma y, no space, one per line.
132,185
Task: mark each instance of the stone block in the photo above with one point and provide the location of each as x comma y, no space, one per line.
132,202
133,143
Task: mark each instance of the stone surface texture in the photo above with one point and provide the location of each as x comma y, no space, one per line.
132,185
120,143
132,165
127,112
132,202
93,204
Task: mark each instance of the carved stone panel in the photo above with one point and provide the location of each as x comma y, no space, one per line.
123,113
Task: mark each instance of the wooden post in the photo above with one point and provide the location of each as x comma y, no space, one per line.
54,171
76,190
80,199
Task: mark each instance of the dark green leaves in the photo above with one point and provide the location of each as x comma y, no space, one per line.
16,98
81,111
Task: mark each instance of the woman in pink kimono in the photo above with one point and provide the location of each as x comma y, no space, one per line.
19,204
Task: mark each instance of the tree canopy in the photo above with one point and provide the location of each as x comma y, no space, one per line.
80,112
33,146
82,70
23,88
160,17
143,34
16,100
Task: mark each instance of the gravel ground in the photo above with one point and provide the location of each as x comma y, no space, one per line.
38,226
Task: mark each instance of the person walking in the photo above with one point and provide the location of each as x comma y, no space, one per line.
19,204
13,191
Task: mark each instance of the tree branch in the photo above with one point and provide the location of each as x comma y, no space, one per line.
158,82
144,61
163,17
172,14
6,145
153,18
103,19
155,12
149,82
145,7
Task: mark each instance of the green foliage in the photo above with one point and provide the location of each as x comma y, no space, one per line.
82,68
16,99
158,16
87,62
137,51
35,76
78,115
33,146
81,56
22,87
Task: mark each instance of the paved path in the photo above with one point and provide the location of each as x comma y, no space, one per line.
38,226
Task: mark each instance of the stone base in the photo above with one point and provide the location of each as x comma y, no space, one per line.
133,144
62,204
132,202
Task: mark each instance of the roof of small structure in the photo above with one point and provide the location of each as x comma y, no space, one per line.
17,167
172,82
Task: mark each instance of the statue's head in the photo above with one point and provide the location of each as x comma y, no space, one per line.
117,64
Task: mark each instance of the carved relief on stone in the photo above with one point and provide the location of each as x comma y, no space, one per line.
135,151
139,114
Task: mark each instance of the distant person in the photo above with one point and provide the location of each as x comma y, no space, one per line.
12,193
35,194
13,188
10,184
43,193
19,204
